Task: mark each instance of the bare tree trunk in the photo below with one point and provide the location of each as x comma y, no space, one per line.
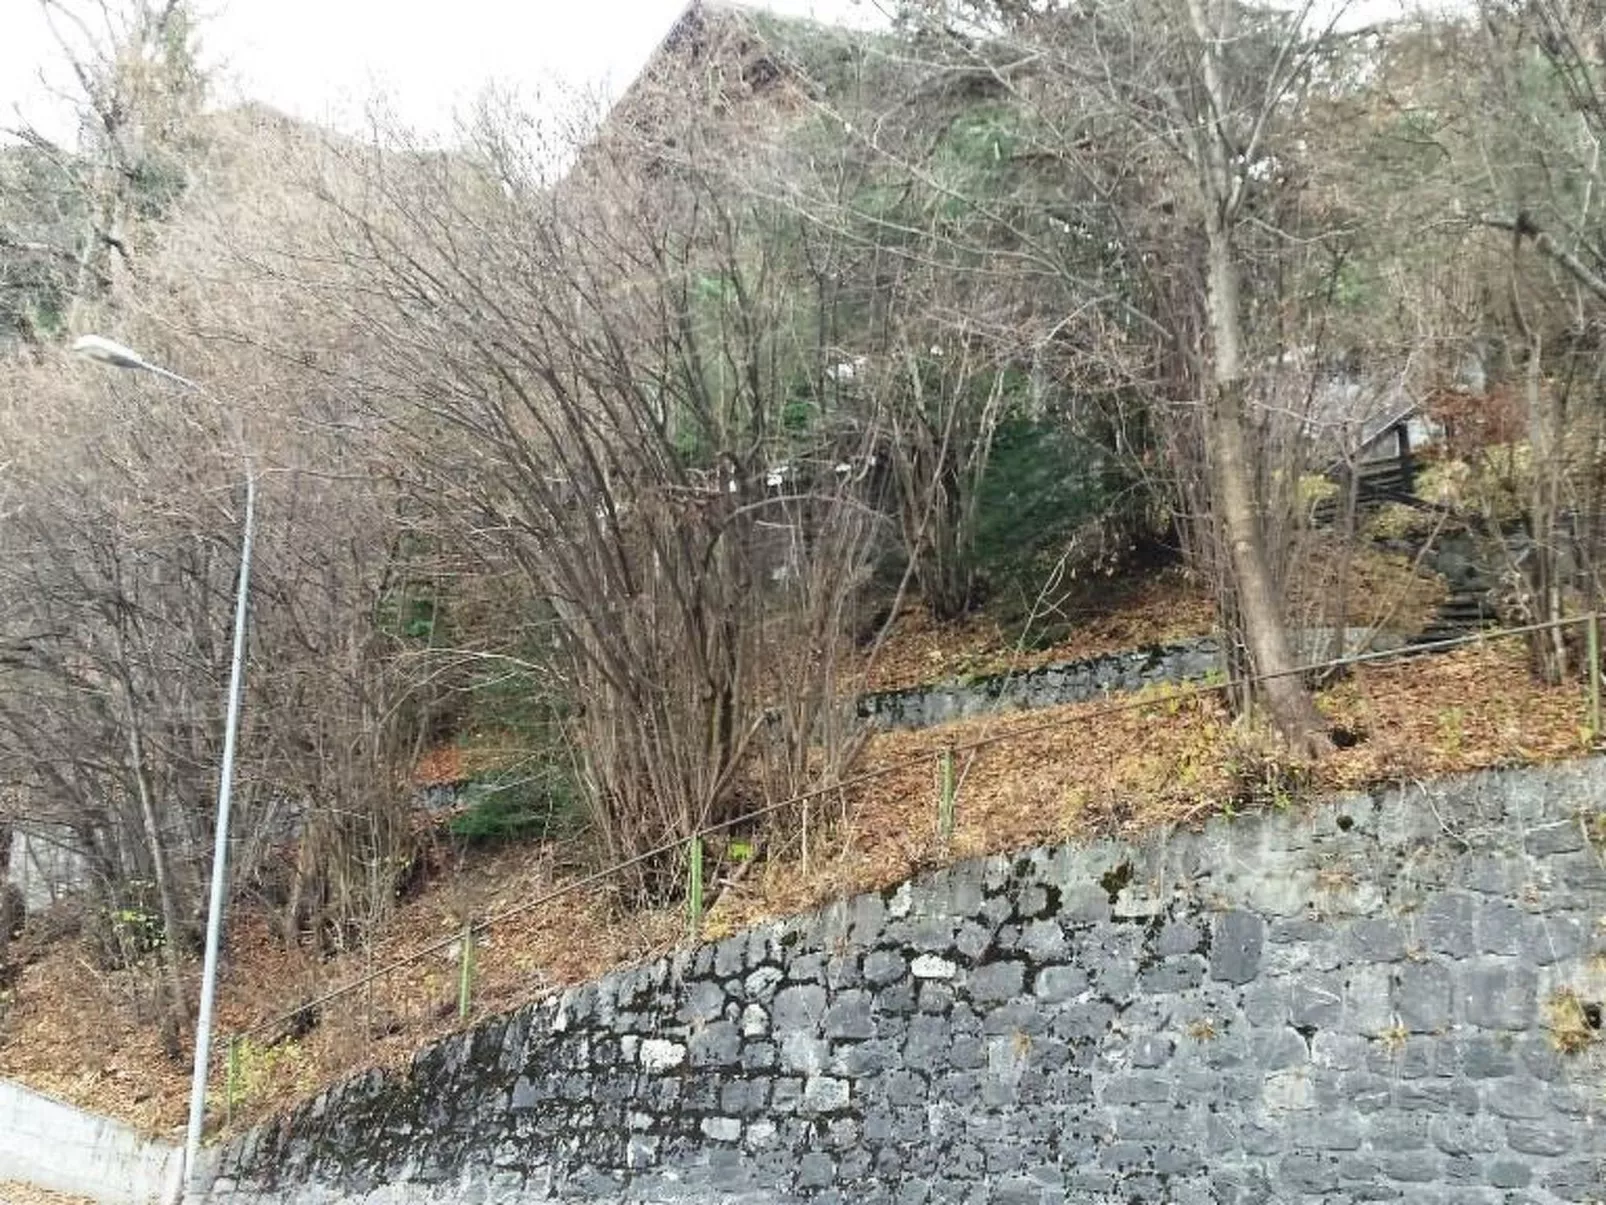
1239,519
176,1012
11,910
1544,503
1240,522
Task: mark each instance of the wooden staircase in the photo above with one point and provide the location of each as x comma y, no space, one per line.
1469,606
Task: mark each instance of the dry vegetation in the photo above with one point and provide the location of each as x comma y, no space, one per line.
499,420
1154,609
1386,590
27,1194
1165,757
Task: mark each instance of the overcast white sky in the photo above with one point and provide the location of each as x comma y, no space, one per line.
325,59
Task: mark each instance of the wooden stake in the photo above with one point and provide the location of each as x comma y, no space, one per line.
231,1088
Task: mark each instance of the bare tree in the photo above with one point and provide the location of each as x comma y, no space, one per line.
1227,119
1538,170
600,374
120,554
1505,106
86,210
1168,124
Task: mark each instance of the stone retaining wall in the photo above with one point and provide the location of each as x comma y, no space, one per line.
1047,686
1355,1004
1086,680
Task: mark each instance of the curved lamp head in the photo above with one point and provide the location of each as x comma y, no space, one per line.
108,351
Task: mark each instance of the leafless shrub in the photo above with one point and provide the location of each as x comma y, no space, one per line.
600,374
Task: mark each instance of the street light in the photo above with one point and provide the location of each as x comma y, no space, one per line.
110,352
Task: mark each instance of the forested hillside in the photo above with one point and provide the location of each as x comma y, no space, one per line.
603,460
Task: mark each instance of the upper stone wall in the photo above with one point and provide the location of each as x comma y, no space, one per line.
1347,1004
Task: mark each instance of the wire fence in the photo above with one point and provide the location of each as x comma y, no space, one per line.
459,947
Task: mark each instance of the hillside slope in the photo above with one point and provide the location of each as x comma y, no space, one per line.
1169,757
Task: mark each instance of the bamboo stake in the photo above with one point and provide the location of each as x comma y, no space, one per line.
694,887
1593,660
945,798
465,973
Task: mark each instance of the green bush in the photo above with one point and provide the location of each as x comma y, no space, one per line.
1044,486
136,920
524,808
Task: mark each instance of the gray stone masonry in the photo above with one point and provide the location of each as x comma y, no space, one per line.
1347,1004
1086,680
1047,686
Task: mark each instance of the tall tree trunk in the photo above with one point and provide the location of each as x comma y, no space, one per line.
11,909
1549,648
1239,519
176,1014
1222,160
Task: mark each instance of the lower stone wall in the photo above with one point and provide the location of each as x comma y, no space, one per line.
1046,686
1090,678
1364,1002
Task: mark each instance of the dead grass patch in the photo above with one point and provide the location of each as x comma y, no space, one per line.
1158,608
1574,1025
1164,607
12,1193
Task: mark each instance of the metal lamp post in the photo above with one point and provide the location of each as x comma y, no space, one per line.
107,351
